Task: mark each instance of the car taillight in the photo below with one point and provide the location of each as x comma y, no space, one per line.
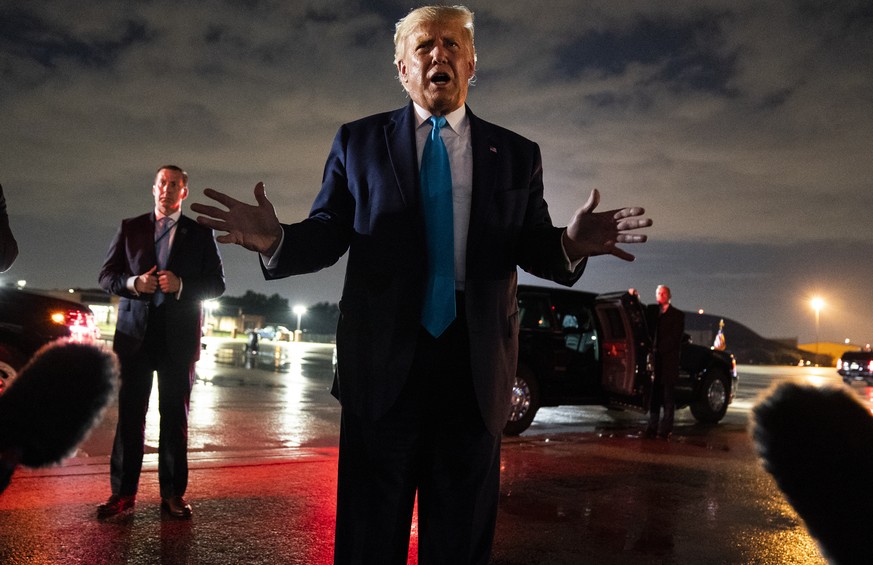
80,324
870,366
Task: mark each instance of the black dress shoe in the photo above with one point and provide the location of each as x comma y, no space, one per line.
176,507
649,433
115,505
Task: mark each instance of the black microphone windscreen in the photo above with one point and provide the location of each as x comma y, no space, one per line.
816,443
55,401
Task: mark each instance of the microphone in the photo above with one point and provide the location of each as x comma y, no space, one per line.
816,443
53,404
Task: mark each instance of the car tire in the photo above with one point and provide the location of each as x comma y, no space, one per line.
11,361
525,402
711,403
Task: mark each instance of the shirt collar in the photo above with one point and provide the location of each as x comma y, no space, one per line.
453,119
174,216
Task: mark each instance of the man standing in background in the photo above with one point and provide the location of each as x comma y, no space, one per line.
162,265
667,324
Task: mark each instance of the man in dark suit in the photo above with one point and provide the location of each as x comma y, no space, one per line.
162,265
422,407
667,325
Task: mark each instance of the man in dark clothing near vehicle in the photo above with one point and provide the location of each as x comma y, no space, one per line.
667,324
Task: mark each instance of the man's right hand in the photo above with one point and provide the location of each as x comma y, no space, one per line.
147,283
254,227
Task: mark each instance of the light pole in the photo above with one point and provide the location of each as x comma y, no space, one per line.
210,306
817,304
299,309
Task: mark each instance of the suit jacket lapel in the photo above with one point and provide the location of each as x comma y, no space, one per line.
178,240
400,139
486,154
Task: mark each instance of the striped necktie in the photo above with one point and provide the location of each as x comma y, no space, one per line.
162,251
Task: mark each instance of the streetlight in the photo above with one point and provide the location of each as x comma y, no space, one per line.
299,309
210,306
817,304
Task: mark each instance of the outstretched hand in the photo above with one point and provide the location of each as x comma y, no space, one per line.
254,227
592,233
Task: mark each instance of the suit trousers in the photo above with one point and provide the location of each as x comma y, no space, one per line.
663,394
432,442
175,380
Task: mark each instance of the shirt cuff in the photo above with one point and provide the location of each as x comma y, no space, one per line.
272,261
571,266
131,285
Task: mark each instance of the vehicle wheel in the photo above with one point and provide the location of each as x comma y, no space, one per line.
10,363
525,402
712,401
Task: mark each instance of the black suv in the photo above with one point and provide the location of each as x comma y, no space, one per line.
580,348
856,366
29,320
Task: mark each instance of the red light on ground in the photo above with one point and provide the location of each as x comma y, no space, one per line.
868,396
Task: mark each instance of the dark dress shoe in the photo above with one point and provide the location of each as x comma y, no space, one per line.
115,505
176,507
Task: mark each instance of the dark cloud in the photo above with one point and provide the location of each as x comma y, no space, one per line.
26,36
683,54
744,128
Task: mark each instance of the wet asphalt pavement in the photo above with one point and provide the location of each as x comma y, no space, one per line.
598,494
575,498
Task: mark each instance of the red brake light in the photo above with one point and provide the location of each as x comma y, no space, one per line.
80,323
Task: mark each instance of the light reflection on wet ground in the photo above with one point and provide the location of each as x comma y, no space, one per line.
275,399
615,498
579,487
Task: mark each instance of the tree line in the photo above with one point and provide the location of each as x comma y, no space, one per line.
320,318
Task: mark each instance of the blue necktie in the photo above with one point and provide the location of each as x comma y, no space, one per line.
436,193
162,251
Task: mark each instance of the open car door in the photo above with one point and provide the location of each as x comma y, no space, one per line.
624,349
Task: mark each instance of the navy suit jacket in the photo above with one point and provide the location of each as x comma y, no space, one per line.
193,257
369,205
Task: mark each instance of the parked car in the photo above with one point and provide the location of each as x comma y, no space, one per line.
856,366
274,333
29,320
580,348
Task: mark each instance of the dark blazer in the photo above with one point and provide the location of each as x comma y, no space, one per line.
666,332
369,206
8,245
193,257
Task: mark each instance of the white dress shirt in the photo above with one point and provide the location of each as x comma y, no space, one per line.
456,137
131,281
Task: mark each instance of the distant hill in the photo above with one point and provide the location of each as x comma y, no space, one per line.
748,347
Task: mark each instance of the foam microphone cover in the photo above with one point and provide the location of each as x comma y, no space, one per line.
817,443
55,401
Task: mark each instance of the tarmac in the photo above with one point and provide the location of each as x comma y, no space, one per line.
605,497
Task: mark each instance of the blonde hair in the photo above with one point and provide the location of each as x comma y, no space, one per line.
428,14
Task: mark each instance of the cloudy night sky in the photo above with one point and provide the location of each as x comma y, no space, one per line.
744,128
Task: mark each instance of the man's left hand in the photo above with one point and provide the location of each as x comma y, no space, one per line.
169,282
592,233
